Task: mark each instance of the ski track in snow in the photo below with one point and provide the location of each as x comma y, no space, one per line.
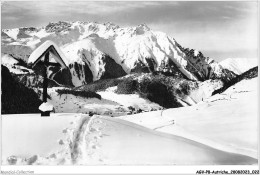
84,141
78,142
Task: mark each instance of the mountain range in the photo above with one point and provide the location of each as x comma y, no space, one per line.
95,51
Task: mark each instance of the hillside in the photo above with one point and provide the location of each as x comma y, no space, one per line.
225,121
251,73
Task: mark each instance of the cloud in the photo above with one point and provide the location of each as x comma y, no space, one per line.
74,10
128,12
110,7
74,7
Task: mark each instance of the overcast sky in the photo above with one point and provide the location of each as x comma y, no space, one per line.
219,29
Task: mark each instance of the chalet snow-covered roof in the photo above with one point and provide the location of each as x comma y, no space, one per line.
48,46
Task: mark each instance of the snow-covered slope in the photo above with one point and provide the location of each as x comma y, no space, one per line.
226,121
13,65
239,65
69,139
94,49
8,60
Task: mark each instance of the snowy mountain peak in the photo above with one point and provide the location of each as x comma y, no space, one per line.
57,27
142,28
111,25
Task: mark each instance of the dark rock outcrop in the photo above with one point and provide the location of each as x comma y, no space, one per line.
112,69
17,98
204,67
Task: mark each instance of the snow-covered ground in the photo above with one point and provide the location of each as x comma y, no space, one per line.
220,130
30,135
101,140
226,121
111,104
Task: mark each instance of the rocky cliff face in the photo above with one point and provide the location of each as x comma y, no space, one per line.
97,51
204,67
